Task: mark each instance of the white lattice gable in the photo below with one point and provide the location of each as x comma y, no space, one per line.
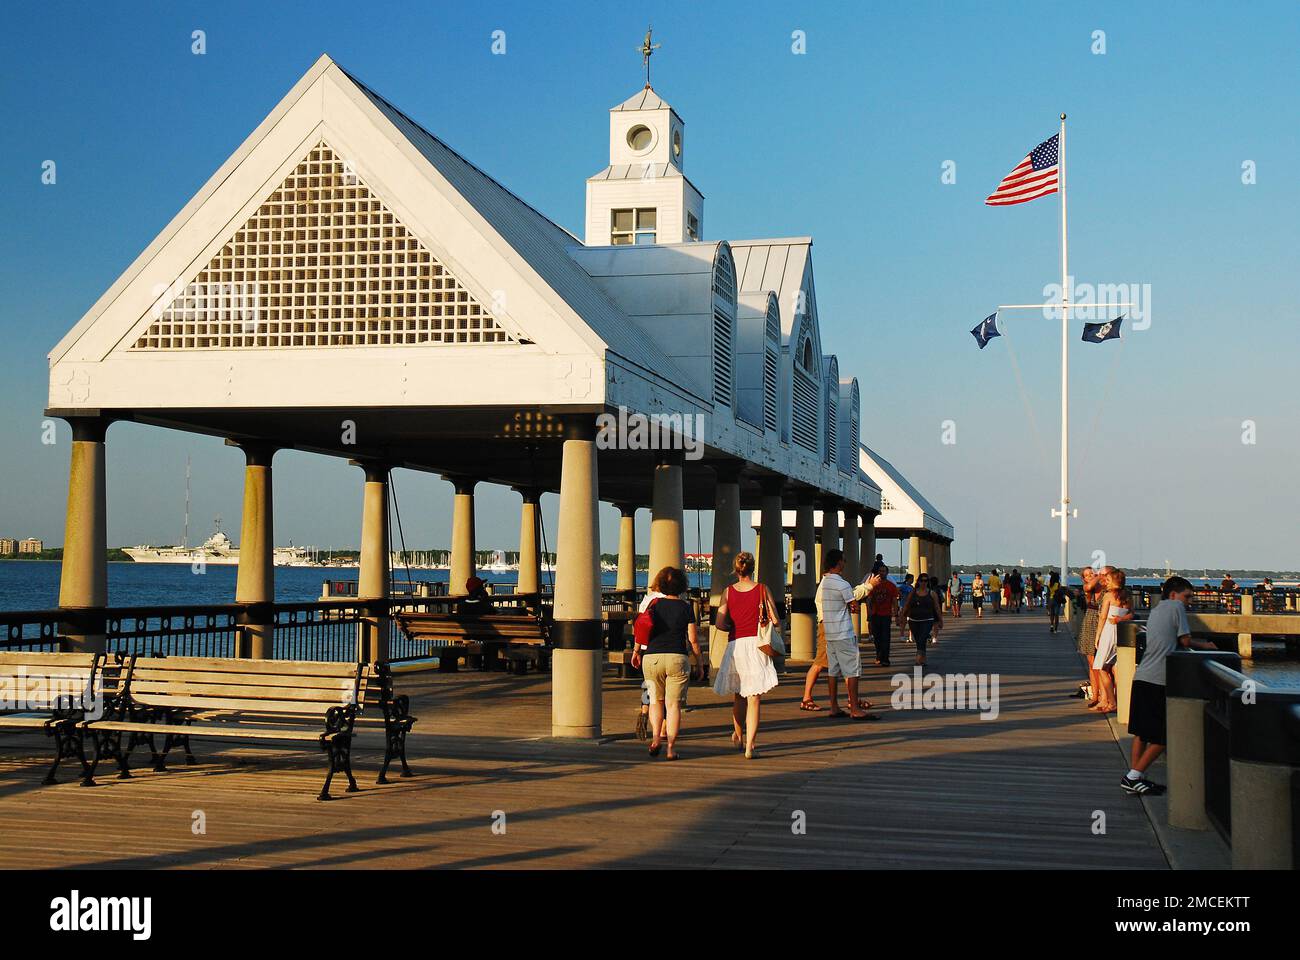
323,262
355,257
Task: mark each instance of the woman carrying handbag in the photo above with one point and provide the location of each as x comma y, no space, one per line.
747,671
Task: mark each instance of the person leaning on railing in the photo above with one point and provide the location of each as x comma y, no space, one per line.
1167,630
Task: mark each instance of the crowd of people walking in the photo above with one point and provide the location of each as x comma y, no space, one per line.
668,649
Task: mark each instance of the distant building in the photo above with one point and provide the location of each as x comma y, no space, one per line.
8,546
30,545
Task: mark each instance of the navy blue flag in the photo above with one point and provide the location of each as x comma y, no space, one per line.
1101,332
986,330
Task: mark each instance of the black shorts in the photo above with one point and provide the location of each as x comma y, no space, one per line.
1146,712
977,602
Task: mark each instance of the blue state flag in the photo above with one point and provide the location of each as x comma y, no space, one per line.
986,330
1101,332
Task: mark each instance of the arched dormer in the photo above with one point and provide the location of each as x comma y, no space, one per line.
830,409
724,327
758,360
805,386
850,403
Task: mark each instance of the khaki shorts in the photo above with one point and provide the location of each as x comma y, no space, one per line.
820,659
667,675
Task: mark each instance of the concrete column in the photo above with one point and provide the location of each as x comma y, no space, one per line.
372,578
1185,761
83,583
530,557
626,548
771,570
667,546
852,559
255,579
830,527
789,560
803,605
1262,819
914,555
1245,641
1125,667
462,535
868,548
577,631
726,545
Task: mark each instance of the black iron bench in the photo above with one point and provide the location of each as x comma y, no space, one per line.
514,641
382,704
275,701
52,692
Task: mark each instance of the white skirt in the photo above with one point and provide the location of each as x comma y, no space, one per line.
1107,646
745,670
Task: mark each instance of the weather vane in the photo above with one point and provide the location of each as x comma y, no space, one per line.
647,49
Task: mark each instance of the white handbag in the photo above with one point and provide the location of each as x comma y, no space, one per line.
769,634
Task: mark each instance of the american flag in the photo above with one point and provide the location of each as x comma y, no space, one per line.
1034,177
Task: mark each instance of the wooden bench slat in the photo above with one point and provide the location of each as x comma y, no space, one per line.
228,703
172,688
24,720
28,657
231,731
195,677
318,668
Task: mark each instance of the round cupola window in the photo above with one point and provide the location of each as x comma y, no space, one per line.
639,138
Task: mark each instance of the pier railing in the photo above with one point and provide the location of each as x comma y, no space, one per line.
1214,600
323,630
1234,758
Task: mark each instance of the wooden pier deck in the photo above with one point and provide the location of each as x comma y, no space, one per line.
940,789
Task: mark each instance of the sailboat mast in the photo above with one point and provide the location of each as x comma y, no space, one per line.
185,537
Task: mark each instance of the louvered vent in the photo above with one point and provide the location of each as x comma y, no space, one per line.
723,352
770,368
323,263
804,413
832,422
724,322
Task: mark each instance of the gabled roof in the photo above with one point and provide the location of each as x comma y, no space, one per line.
907,506
643,99
777,265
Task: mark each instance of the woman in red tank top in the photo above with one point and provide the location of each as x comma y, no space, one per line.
746,671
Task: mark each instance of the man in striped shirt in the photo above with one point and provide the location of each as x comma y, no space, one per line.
836,599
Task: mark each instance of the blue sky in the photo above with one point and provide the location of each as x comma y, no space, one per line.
845,142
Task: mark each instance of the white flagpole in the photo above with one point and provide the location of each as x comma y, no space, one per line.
1065,374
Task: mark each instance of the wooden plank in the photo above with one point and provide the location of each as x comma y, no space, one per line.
252,680
312,668
22,658
170,688
215,730
225,703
